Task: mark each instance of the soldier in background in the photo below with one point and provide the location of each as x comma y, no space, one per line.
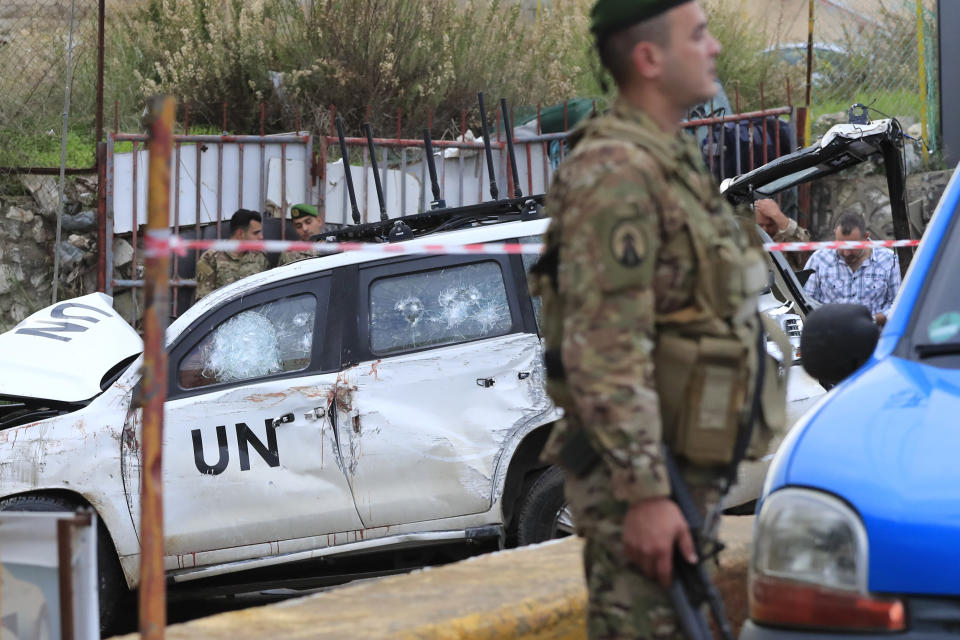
653,338
780,228
218,268
306,220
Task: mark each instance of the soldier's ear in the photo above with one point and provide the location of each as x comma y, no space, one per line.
647,60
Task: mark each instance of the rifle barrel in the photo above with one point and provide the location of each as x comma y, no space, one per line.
438,202
376,173
494,192
346,170
508,129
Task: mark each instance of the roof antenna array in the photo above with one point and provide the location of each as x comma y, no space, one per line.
494,192
346,170
438,202
376,172
508,129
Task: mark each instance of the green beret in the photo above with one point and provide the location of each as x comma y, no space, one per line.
298,211
608,16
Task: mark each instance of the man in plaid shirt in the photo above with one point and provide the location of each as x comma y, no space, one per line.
869,277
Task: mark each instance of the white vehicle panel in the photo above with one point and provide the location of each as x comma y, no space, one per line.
62,352
232,478
426,436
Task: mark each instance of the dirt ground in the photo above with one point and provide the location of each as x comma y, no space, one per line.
736,533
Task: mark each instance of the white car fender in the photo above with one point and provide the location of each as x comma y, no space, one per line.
78,453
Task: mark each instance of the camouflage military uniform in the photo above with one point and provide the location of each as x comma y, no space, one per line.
294,256
794,233
643,242
218,268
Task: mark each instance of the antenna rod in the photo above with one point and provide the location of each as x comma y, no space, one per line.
376,173
346,170
438,202
494,192
508,127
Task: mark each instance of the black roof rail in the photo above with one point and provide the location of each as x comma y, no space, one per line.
506,210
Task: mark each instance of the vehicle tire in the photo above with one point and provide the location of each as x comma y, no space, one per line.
543,513
116,599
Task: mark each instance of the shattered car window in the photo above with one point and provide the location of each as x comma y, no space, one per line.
270,338
439,307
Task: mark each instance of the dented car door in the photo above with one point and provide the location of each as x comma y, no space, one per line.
448,370
250,456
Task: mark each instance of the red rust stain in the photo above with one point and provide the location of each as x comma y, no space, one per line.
263,397
194,559
374,371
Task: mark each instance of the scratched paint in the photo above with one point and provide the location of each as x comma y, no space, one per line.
431,435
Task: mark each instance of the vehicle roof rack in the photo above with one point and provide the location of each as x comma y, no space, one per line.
439,217
507,210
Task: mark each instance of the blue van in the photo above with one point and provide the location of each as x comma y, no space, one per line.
858,528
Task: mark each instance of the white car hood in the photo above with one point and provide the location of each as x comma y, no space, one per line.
61,353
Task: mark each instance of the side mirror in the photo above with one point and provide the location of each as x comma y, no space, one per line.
837,340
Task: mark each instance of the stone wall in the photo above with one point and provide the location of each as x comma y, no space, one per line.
867,194
28,214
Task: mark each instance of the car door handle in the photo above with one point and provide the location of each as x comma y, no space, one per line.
486,383
316,413
287,417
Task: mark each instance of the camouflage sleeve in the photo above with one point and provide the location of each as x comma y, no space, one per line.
793,233
608,253
206,275
264,262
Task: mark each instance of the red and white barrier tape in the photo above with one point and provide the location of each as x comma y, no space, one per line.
180,246
849,244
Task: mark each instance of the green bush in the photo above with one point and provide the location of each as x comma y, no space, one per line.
364,56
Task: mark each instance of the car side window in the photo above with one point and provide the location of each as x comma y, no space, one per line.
438,307
269,338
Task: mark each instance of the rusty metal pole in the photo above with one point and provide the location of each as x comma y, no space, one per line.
806,102
153,609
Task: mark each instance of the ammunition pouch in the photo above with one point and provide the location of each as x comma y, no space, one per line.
702,384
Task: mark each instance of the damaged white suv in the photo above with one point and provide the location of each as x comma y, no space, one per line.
318,415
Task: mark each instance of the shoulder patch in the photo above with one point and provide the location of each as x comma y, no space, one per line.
628,245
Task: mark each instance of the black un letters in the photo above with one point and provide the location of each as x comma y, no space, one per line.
245,438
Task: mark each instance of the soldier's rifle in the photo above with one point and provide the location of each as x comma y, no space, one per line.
691,585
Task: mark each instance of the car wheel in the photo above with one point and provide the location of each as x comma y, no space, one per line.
115,598
543,513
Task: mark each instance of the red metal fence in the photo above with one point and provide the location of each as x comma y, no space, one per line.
214,175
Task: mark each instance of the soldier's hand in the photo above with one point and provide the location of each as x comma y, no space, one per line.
770,217
651,529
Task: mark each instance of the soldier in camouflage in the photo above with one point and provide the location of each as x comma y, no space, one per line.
218,268
780,228
306,220
650,318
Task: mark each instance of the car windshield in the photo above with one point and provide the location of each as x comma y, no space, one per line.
935,326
